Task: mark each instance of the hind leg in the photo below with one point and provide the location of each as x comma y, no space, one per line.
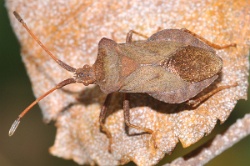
208,42
196,102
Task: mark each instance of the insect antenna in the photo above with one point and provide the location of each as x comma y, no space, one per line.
27,109
61,63
58,86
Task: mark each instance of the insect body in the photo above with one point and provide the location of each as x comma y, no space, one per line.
170,71
172,66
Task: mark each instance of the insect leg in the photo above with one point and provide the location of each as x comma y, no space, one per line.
196,102
208,42
102,119
130,34
126,109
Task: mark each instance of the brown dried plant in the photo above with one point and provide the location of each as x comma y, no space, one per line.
72,30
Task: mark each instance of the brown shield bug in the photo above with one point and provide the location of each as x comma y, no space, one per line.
173,66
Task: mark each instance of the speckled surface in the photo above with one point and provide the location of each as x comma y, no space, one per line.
72,30
220,143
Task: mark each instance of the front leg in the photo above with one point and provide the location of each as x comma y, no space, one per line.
130,34
102,119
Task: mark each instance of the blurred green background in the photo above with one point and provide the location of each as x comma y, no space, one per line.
29,146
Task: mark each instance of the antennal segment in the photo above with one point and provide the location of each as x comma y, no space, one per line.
61,63
14,126
58,86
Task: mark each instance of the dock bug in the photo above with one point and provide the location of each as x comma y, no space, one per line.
173,66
